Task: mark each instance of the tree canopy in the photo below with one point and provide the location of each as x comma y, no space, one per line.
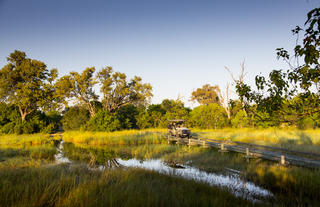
206,95
291,94
27,83
118,91
78,87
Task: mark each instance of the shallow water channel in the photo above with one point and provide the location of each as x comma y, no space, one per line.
232,180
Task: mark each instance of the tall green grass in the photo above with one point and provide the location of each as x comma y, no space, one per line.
79,186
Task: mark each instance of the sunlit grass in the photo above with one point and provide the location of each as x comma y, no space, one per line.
126,137
79,186
291,138
13,140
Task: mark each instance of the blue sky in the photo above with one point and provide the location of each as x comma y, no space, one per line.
176,45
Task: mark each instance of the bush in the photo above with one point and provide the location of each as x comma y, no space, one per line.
306,123
210,116
240,120
74,118
104,121
123,118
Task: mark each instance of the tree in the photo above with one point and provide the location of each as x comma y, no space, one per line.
26,83
224,100
75,117
239,81
174,109
118,91
206,95
79,87
211,116
291,93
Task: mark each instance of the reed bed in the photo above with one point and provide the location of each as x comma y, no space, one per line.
13,140
79,186
126,137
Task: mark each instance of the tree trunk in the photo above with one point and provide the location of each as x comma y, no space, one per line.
91,110
23,114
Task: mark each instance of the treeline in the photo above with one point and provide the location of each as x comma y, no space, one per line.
33,98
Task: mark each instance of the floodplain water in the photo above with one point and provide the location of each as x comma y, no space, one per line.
232,181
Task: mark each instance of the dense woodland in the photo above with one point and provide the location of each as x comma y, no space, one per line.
34,99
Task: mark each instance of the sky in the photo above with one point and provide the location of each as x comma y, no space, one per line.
175,45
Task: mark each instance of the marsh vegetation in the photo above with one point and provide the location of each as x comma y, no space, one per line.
31,176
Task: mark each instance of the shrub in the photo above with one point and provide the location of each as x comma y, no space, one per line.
74,118
240,120
211,116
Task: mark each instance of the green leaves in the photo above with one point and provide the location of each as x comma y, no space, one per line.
78,87
26,83
206,95
292,94
118,91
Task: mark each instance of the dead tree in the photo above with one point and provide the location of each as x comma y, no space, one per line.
224,100
239,80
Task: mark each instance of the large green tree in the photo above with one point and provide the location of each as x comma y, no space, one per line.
294,93
206,95
27,83
118,91
78,87
211,116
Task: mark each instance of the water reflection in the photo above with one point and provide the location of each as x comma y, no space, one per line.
108,158
233,181
59,157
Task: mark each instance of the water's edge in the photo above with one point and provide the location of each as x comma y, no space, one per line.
233,181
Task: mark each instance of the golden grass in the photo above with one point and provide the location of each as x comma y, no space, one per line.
126,137
13,140
290,138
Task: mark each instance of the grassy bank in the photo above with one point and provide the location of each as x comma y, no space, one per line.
291,138
26,150
292,186
126,137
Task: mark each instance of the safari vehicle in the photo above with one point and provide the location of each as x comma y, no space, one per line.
177,129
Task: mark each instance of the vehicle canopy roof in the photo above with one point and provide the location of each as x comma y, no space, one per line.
177,121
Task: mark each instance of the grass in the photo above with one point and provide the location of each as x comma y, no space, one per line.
103,153
28,176
13,140
26,150
290,138
126,137
79,186
292,186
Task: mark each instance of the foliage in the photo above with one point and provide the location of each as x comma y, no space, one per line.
211,116
240,120
10,121
122,118
27,84
75,117
291,95
206,95
79,87
118,91
174,110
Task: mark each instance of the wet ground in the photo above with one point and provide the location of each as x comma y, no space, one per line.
231,179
